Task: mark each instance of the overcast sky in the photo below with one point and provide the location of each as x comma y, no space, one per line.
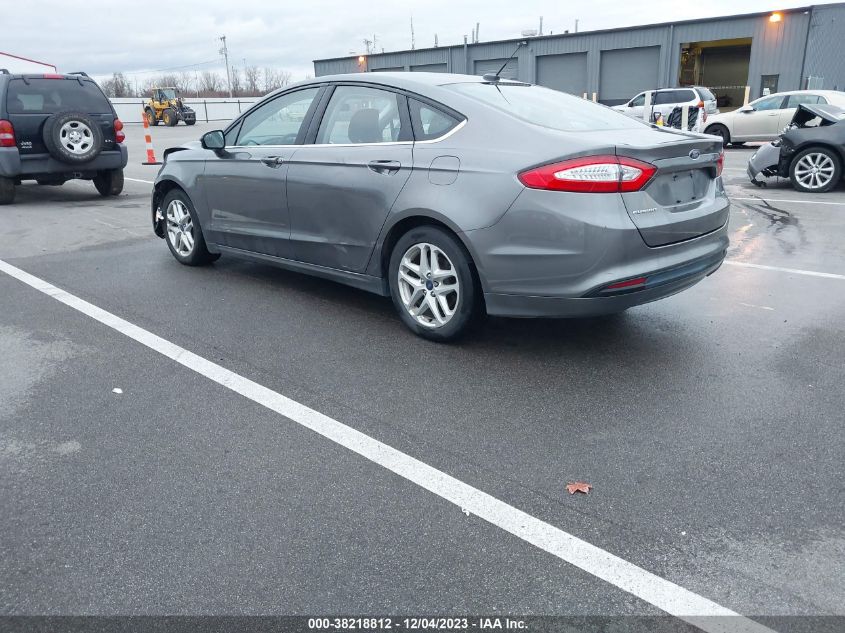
134,37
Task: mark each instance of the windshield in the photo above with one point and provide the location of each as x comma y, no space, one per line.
548,108
46,96
168,93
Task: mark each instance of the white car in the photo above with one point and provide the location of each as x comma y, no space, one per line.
667,99
765,118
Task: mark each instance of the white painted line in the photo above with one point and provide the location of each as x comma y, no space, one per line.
795,271
786,200
661,593
753,305
149,182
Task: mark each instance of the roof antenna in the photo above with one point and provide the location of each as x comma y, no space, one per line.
494,77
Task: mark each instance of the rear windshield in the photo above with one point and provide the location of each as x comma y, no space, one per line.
706,95
548,108
48,96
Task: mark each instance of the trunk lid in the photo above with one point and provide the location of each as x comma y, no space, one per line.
684,199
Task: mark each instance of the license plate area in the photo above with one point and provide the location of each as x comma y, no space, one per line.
677,190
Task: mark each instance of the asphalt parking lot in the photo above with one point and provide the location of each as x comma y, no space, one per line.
710,425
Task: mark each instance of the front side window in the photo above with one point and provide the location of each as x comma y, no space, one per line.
279,121
357,115
638,101
769,103
430,123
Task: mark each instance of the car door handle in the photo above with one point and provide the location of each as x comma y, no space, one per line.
273,161
385,167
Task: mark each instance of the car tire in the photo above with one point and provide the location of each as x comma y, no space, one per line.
190,122
437,317
180,219
109,182
720,130
169,117
151,117
827,175
7,190
72,137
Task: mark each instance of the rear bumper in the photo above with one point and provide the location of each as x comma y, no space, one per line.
555,253
669,282
763,164
13,165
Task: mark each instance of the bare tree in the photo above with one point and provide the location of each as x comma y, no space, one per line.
237,89
275,79
117,86
210,84
185,83
252,81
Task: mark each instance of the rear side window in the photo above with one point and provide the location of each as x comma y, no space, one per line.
547,108
429,122
706,95
48,96
357,115
794,101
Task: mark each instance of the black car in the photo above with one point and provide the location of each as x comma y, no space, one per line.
54,128
810,151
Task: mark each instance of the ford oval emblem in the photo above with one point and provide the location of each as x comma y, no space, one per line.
694,154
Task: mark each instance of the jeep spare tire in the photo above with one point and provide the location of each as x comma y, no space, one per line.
72,137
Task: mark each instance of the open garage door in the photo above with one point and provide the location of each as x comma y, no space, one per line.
567,73
429,68
721,66
626,72
484,66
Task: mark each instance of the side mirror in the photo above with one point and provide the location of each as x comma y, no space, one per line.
213,140
747,108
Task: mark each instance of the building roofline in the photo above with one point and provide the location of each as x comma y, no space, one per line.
615,29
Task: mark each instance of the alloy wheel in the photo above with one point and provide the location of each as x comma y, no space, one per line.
428,285
180,228
814,170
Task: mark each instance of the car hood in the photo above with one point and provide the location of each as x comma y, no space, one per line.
829,114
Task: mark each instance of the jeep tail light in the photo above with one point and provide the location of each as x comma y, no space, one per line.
720,163
7,134
119,136
590,174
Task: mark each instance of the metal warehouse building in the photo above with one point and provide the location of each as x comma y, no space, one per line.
767,52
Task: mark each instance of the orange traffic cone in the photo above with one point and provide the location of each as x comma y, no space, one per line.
151,155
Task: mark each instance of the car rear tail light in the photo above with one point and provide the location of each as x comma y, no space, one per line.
590,174
720,163
7,134
119,136
53,76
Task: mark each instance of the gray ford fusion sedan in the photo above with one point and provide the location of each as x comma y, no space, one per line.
455,195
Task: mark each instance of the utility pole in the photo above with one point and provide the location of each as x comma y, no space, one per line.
225,52
412,31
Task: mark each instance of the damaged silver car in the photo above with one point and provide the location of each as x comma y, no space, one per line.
809,152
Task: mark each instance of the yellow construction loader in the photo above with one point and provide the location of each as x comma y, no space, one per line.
166,106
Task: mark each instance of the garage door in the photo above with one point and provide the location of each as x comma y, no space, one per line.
484,66
567,73
627,71
429,68
392,69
